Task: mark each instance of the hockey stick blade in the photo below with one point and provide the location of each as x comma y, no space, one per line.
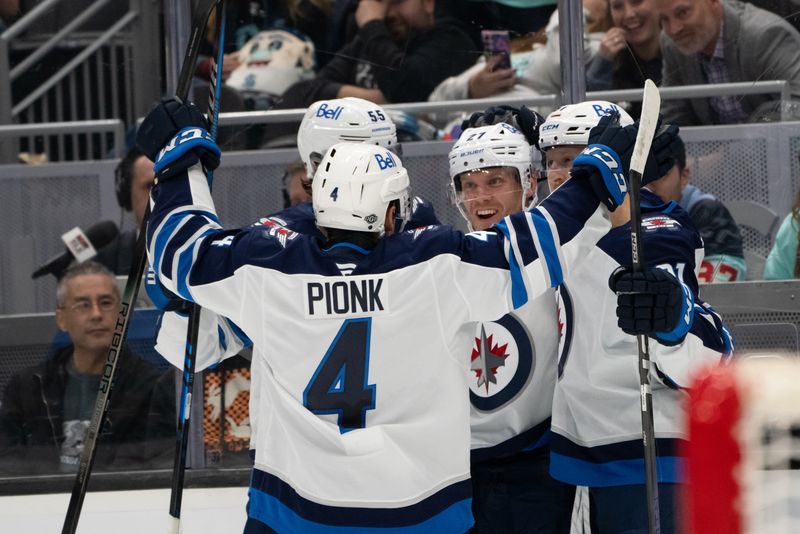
651,105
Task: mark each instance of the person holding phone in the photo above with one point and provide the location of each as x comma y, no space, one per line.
533,71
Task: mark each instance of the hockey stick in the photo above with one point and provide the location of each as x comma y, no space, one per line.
193,329
651,104
202,10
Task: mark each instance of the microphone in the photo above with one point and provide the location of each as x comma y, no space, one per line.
80,246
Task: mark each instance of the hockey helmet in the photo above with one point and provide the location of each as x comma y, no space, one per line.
355,184
497,145
352,120
571,124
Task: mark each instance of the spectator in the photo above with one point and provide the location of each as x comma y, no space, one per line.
534,72
296,186
629,52
722,239
399,54
783,262
132,182
47,408
708,41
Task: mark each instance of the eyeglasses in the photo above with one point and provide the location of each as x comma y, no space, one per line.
84,306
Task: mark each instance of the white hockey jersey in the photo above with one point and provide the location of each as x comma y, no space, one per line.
359,406
596,424
513,362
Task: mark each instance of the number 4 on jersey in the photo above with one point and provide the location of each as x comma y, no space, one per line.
339,385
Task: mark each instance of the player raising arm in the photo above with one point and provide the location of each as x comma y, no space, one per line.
512,359
362,416
597,428
324,124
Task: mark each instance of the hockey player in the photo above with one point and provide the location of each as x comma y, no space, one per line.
513,359
324,124
596,416
362,417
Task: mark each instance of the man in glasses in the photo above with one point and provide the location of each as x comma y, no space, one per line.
46,409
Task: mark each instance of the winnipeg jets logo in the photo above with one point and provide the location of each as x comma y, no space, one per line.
503,360
486,359
659,222
275,228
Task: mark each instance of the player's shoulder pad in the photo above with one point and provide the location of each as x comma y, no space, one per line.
422,214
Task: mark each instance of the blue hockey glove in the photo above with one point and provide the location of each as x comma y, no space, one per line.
602,167
653,303
523,119
174,136
161,297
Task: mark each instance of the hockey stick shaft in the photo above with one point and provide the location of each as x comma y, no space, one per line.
193,329
648,121
202,10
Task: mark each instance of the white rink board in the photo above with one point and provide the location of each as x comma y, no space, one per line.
204,511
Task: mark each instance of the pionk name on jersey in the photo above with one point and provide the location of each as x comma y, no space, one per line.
346,297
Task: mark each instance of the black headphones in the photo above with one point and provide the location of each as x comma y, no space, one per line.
123,176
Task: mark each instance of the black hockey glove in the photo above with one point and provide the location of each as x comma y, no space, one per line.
523,119
661,153
653,303
174,135
623,138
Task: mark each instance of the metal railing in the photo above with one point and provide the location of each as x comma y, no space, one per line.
109,134
780,87
114,75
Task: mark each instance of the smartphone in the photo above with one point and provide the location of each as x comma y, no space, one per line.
496,43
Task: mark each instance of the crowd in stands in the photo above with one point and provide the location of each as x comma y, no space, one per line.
397,51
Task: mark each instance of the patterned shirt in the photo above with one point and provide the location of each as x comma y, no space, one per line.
728,108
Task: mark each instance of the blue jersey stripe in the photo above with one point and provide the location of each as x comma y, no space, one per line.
624,450
548,244
273,513
574,204
275,503
170,237
162,238
617,473
519,294
185,260
522,237
534,438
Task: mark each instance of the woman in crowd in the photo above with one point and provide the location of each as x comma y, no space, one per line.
783,262
629,52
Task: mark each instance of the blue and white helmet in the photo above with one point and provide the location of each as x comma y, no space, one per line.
497,145
571,124
354,186
350,120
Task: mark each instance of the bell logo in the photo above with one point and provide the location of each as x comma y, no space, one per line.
601,111
385,163
327,112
